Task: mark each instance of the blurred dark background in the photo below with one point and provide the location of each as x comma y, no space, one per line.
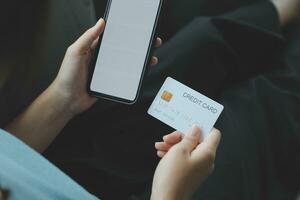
35,35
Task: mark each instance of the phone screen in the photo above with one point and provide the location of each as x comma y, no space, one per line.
124,48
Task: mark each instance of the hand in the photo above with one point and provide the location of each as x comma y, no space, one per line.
288,11
168,141
70,84
185,164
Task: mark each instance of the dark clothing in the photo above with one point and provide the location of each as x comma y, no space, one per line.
234,58
112,146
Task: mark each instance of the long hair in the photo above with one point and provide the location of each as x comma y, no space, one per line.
4,194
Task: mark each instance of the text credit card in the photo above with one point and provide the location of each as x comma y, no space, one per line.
182,107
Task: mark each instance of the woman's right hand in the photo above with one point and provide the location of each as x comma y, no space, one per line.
185,165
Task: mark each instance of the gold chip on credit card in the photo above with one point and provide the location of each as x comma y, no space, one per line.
167,96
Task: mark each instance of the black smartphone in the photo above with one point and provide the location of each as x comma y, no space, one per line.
124,49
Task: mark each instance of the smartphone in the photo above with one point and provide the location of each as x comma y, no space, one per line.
124,49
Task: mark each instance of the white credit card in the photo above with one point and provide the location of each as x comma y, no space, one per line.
182,107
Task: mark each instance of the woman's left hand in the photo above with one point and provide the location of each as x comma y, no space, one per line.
70,84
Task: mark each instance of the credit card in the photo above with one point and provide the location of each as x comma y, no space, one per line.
181,107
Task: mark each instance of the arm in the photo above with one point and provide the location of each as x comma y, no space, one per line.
288,11
41,122
185,164
66,97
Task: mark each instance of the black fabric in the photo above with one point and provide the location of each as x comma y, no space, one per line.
111,147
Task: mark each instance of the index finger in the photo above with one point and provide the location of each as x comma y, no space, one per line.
85,42
173,138
158,42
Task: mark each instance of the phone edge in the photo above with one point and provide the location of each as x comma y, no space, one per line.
146,64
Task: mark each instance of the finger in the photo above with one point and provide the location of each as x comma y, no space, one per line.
209,145
94,44
158,42
173,138
161,154
85,42
162,146
191,139
212,141
154,61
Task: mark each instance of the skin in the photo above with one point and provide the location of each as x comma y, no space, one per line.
288,11
194,162
192,170
66,97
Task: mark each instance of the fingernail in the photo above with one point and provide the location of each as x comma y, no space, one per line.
195,131
159,154
99,21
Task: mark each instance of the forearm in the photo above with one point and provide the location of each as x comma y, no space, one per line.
172,197
287,11
41,122
67,96
168,195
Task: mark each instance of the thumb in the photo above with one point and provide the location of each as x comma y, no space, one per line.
85,42
209,145
191,139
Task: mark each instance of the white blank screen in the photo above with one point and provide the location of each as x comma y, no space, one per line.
124,47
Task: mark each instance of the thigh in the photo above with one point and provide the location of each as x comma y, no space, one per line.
257,157
178,13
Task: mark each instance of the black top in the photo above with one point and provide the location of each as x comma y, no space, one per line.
233,57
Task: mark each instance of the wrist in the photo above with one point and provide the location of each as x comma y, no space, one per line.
171,197
168,196
59,101
161,197
287,11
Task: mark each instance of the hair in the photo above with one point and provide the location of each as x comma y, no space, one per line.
4,194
